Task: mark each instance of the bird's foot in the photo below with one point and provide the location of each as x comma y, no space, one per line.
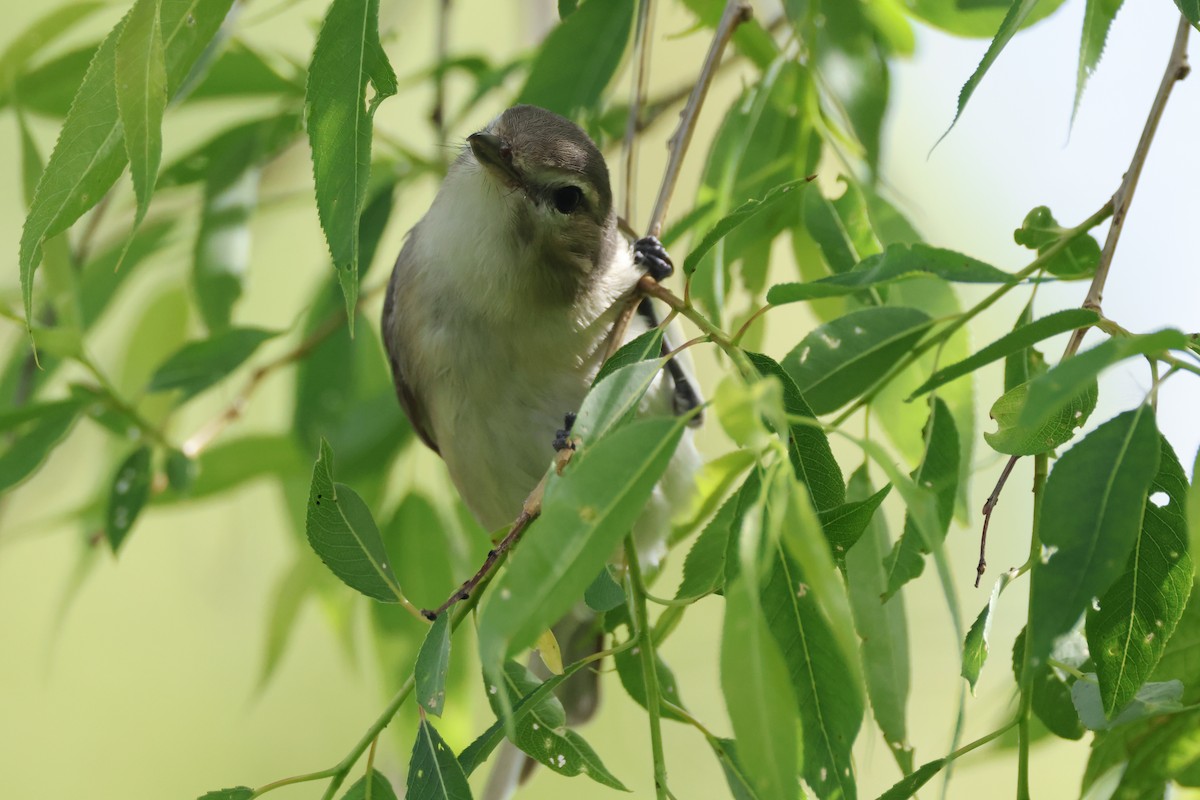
648,252
562,437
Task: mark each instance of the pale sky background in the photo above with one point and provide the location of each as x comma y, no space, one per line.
144,687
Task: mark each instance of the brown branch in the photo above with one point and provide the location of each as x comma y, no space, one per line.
438,115
1177,69
988,506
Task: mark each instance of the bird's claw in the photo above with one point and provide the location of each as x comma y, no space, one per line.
562,437
648,252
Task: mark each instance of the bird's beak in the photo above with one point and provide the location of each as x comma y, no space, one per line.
494,153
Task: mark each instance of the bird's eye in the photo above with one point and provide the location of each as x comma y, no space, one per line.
567,199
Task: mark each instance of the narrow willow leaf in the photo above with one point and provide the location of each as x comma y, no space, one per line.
592,41
900,261
1040,231
1015,438
826,684
1150,700
238,461
1019,366
845,524
739,216
1085,544
433,771
758,695
938,473
1017,13
840,360
976,646
909,785
236,793
89,155
604,594
740,784
614,399
1138,614
648,345
542,733
1097,19
750,38
882,627
1193,509
292,589
828,230
1191,10
339,117
37,37
341,531
31,433
198,365
710,486
48,88
478,751
129,492
380,788
1049,693
241,71
141,84
585,514
1011,343
433,662
1050,392
704,566
808,446
1170,751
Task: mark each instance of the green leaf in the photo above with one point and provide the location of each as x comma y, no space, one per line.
898,262
1015,438
704,566
37,37
614,399
1193,508
1049,694
566,8
909,785
130,489
1191,10
1040,231
840,360
1138,614
1016,341
1150,700
381,789
939,474
808,446
629,667
198,365
31,432
290,592
240,71
342,532
604,593
843,525
646,346
433,662
735,771
1017,13
882,627
89,155
976,646
592,41
236,462
758,695
141,85
236,793
828,231
542,732
738,217
433,771
1049,393
1085,544
850,57
585,514
339,117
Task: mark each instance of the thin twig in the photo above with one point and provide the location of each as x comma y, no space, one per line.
438,115
641,77
1177,69
195,444
988,506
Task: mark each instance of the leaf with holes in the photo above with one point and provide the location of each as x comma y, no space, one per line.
433,771
130,490
1015,438
1138,614
341,531
433,662
380,788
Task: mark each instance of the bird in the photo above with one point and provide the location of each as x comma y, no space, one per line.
497,318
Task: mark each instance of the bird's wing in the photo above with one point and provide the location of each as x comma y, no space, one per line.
685,395
409,400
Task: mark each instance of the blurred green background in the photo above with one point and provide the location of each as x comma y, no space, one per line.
138,676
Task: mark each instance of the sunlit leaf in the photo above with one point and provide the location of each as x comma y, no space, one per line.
613,400
141,85
648,345
592,40
433,662
89,155
198,365
1085,545
1015,438
840,360
843,525
1136,617
339,117
342,532
433,771
778,194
